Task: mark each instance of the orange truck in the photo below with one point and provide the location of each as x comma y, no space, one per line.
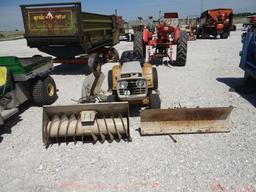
216,22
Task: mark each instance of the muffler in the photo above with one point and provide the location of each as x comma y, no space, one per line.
86,122
185,120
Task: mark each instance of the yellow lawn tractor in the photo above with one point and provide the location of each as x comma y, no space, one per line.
134,81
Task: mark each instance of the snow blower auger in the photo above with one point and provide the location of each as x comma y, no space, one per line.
86,122
185,120
93,119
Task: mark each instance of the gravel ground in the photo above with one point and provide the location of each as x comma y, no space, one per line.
213,162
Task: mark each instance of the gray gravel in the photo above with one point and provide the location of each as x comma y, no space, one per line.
215,162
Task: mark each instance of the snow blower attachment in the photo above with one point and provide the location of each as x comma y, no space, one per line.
185,120
93,122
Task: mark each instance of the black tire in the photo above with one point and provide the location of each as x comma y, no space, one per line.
155,78
248,79
154,101
139,45
111,98
225,35
182,49
110,82
214,33
205,34
199,33
132,37
44,91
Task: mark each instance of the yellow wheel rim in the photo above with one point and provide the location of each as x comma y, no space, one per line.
50,89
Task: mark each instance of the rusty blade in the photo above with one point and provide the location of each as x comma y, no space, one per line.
185,120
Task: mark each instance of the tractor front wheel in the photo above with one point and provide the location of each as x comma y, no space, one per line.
139,45
182,50
155,78
110,81
154,101
44,91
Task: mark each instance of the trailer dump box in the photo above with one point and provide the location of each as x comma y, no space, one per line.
64,31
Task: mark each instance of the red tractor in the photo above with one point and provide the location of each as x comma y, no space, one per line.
160,41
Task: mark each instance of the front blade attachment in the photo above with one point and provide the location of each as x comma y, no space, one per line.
185,120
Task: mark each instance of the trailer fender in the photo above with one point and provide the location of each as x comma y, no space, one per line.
176,34
146,35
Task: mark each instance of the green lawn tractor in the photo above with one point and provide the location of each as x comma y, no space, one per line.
23,79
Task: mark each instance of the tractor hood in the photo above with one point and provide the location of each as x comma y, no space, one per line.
131,67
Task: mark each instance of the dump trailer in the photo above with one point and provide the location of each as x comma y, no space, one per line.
23,79
64,31
216,22
248,53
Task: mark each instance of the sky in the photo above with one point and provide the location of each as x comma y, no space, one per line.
11,19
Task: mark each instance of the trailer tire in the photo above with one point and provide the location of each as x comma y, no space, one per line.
110,82
139,44
205,34
225,35
44,91
155,78
199,33
182,50
154,101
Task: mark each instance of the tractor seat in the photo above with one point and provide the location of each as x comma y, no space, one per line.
5,80
128,56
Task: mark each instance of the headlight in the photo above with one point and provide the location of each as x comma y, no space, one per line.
123,84
141,83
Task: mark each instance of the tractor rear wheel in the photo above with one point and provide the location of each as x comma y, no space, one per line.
139,44
44,91
154,101
182,50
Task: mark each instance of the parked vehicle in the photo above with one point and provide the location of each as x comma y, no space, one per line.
64,31
134,81
23,79
248,53
216,22
126,33
191,25
165,34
